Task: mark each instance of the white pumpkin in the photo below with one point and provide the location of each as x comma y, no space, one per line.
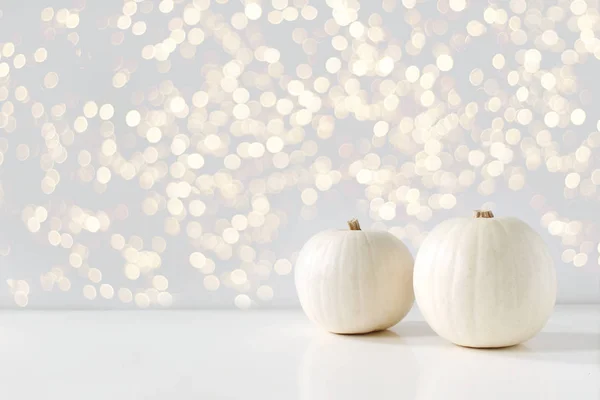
354,281
485,281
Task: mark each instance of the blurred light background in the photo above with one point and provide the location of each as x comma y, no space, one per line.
179,153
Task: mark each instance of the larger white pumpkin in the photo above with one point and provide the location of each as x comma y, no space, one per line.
484,281
354,281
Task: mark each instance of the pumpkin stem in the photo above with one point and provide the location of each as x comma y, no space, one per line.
483,214
354,225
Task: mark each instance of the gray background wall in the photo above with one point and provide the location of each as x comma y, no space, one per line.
179,153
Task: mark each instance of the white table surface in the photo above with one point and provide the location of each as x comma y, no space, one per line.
280,355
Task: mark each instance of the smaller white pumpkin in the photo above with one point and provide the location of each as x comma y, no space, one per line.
354,281
485,281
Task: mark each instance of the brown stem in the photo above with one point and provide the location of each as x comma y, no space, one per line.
483,214
354,225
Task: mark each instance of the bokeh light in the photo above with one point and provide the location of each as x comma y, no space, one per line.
157,154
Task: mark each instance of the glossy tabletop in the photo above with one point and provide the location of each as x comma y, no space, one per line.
280,355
